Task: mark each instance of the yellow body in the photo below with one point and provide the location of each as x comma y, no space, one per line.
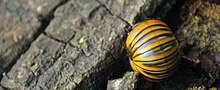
153,49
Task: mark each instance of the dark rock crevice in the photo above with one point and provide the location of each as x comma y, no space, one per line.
51,37
81,45
109,11
44,20
55,59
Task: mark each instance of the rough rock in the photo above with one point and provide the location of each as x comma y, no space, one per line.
201,26
41,7
59,61
36,61
20,25
199,33
80,47
126,9
1,88
135,11
77,49
126,83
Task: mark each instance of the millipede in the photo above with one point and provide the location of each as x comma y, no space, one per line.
153,50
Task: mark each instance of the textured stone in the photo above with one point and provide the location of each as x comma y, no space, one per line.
126,9
20,25
41,7
201,26
130,10
1,88
200,35
64,25
80,47
48,65
60,75
32,65
126,83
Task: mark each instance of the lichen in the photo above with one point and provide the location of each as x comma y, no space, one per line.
213,88
197,88
211,10
202,28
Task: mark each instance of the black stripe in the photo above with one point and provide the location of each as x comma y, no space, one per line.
158,74
135,67
152,80
171,73
170,70
173,43
168,60
173,69
163,57
160,29
149,71
157,52
149,41
145,29
152,61
163,72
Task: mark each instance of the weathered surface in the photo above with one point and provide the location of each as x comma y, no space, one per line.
60,61
200,33
79,49
20,25
33,64
201,28
130,12
1,88
126,9
126,83
41,7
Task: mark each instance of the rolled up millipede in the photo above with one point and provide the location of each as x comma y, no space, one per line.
153,50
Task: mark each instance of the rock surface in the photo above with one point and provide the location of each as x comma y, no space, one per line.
79,44
129,12
78,48
1,88
56,60
128,82
200,32
20,25
201,28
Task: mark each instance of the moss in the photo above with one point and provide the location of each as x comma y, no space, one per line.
202,27
211,10
213,88
126,74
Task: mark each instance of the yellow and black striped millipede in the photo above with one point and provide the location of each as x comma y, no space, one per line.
153,50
